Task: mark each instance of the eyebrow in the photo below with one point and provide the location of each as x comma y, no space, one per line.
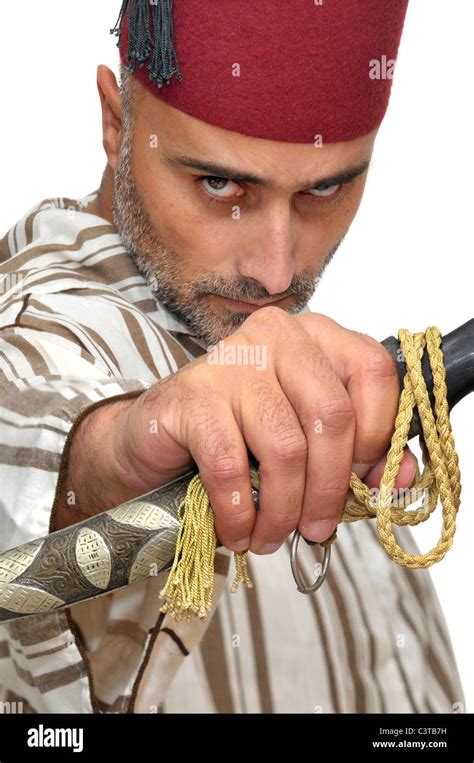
229,173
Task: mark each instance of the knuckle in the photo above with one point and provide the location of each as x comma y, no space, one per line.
198,379
378,435
329,502
282,525
337,415
272,313
318,318
273,412
226,469
192,387
270,317
290,447
209,438
233,524
372,447
379,364
331,492
240,515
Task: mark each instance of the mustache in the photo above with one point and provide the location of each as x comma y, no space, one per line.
302,287
240,289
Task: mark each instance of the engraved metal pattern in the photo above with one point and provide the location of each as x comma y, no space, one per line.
143,514
13,563
55,568
154,556
93,557
27,599
108,551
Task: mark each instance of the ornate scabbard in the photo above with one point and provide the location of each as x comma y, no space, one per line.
110,550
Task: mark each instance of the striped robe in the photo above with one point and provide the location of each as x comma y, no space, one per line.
79,327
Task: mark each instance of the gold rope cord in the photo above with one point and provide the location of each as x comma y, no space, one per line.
189,588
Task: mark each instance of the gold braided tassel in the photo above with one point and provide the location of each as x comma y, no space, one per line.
190,585
441,475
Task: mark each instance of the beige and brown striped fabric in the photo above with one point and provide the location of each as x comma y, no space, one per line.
78,327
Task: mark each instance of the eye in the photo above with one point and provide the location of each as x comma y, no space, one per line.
325,191
220,187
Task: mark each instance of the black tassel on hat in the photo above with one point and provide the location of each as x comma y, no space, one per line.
156,50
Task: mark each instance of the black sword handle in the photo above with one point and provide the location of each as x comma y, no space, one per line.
458,352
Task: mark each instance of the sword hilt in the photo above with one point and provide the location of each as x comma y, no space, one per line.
128,543
458,354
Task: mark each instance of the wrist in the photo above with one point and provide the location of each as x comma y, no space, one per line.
91,483
104,430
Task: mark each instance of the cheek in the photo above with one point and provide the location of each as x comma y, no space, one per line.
180,228
344,214
354,199
319,235
166,207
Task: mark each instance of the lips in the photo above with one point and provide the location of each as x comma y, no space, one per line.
252,306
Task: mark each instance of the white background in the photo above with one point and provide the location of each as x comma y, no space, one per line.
407,261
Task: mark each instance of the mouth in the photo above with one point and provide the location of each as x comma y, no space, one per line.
250,307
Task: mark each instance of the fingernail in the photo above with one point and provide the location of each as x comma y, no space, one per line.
241,545
319,531
267,548
361,469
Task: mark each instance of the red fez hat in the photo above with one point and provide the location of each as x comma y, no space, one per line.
286,71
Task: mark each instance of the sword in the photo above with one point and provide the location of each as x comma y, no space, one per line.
127,544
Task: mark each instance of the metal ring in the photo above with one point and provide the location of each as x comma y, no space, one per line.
300,585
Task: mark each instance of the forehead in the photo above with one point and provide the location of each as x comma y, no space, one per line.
181,134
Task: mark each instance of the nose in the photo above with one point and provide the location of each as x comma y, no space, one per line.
270,258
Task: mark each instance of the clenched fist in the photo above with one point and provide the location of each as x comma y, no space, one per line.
311,400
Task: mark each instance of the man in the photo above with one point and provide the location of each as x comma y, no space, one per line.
236,161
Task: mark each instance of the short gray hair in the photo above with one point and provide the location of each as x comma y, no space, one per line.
128,95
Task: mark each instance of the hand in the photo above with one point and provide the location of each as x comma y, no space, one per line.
326,400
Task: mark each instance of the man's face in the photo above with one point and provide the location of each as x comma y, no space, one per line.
221,223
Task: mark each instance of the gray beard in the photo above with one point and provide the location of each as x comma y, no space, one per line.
159,266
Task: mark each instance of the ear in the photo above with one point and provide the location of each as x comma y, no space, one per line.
112,114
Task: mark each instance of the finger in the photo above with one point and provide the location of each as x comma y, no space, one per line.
404,477
216,444
374,389
369,374
326,412
273,433
362,469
